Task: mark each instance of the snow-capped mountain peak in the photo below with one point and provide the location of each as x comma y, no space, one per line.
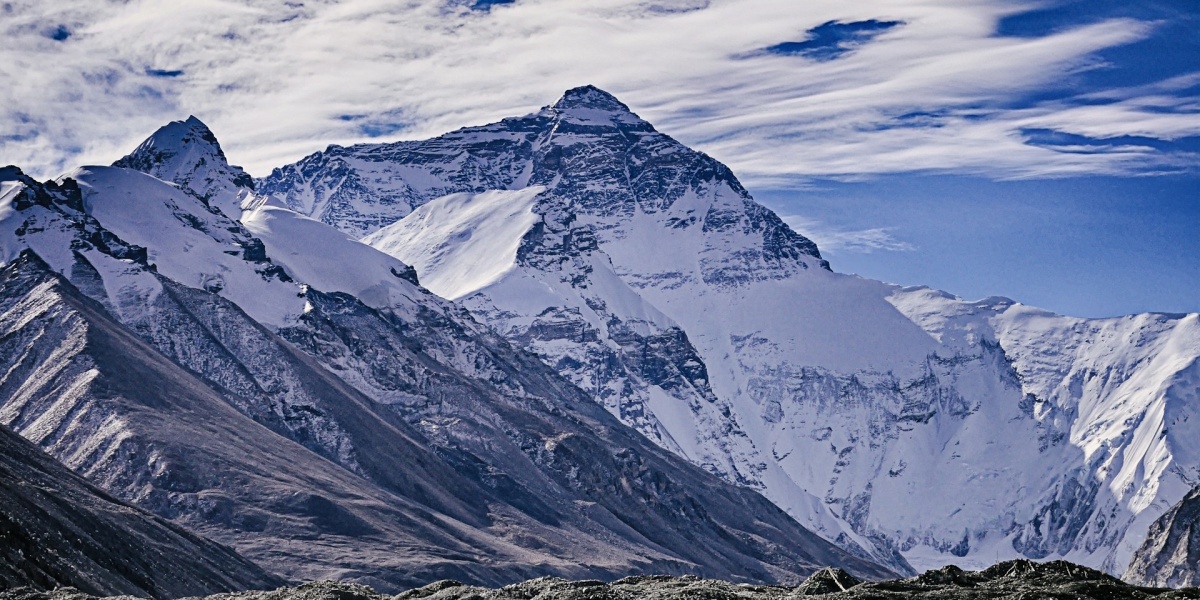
590,96
187,154
589,105
380,419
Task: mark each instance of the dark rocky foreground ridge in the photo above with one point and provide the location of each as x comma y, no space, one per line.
1017,579
56,529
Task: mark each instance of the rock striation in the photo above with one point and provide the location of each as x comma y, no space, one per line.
58,530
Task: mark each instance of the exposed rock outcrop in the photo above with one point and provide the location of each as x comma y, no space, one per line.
1170,556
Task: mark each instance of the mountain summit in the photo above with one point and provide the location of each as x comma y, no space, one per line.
588,147
589,105
187,153
590,96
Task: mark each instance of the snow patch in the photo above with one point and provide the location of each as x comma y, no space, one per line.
463,242
328,260
186,241
8,192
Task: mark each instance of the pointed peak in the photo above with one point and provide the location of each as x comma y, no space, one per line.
589,106
590,96
197,127
175,137
187,153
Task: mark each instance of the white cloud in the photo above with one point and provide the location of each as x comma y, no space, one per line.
277,80
833,239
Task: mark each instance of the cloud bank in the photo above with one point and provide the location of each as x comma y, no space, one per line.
937,90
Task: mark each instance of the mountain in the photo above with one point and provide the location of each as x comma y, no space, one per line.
645,272
57,530
584,318
282,388
1170,556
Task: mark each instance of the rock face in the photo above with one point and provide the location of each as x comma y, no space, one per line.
1170,556
284,389
57,530
109,405
1009,580
827,581
645,272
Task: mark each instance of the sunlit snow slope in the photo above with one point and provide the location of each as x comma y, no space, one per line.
464,241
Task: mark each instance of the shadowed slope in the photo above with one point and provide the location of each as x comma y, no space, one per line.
56,529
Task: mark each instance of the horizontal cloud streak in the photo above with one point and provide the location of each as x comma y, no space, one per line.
277,80
831,239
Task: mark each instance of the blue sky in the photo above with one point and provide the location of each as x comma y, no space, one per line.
1087,244
1043,150
1084,246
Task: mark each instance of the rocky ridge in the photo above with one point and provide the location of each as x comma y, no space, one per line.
110,406
58,530
1010,580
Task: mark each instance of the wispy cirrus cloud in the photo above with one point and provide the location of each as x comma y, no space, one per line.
937,89
861,241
